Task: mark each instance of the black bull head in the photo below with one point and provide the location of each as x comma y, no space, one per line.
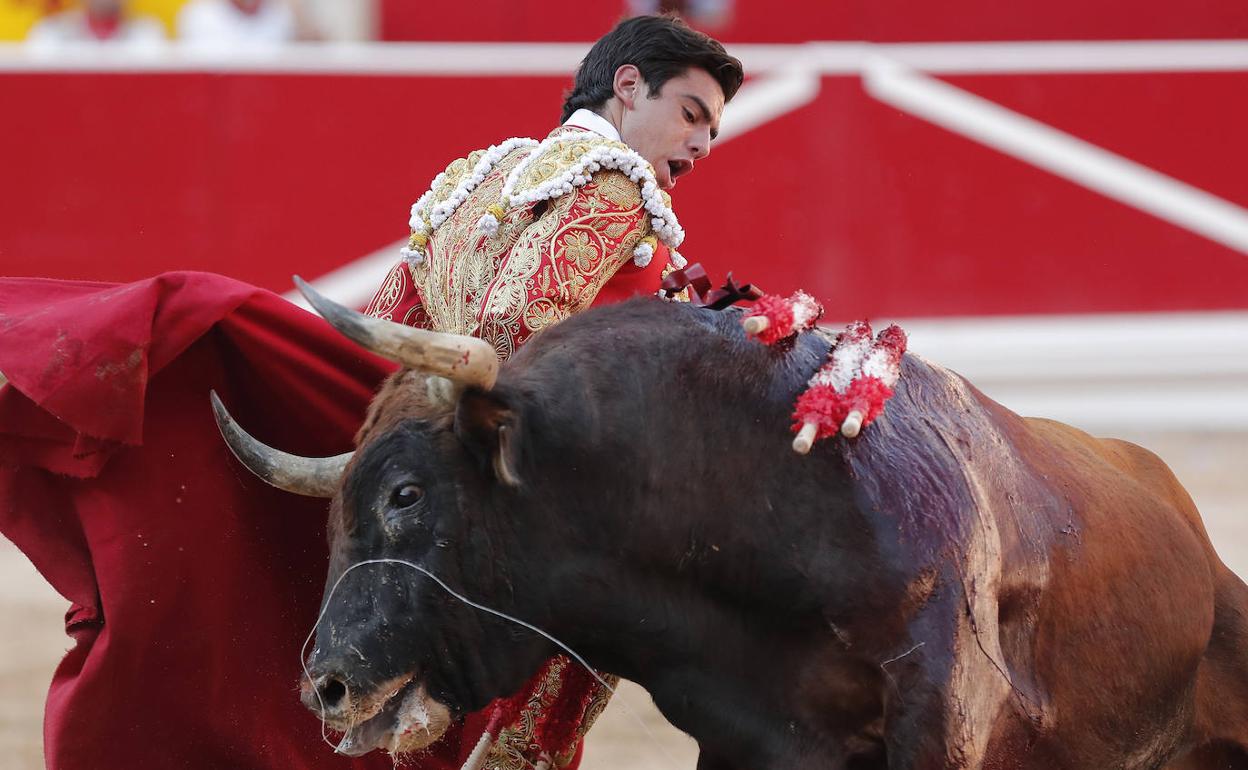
943,591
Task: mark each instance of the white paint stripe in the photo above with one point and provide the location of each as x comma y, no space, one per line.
762,100
823,58
1067,57
1059,153
1105,372
429,59
354,283
1109,346
561,59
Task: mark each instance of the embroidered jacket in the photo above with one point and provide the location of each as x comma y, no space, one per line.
547,260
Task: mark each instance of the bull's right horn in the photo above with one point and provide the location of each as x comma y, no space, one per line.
457,357
311,476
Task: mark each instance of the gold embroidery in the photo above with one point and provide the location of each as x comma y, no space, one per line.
533,272
577,247
539,314
454,173
516,743
618,189
597,704
558,158
388,296
516,747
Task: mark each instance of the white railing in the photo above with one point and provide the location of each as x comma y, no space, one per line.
555,59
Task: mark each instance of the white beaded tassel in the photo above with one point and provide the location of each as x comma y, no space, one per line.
663,219
424,221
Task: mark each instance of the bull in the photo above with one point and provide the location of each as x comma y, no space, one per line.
959,587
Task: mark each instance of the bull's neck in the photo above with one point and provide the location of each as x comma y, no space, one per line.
723,633
732,579
680,542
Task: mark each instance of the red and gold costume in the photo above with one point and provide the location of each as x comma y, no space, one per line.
547,260
590,240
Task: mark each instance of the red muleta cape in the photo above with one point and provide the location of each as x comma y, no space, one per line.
193,585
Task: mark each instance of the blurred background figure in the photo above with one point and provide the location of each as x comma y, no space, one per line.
711,14
227,22
97,21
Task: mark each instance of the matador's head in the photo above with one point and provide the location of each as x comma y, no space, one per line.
663,86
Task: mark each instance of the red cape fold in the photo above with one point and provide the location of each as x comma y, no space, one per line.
193,585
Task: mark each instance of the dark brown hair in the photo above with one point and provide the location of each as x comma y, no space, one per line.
661,48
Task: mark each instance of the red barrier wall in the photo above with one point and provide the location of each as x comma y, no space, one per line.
115,176
795,21
257,176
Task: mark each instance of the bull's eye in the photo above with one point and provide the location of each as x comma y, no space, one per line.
406,495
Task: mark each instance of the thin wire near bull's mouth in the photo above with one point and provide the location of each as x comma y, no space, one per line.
303,652
489,610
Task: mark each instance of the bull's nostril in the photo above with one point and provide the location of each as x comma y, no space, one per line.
332,692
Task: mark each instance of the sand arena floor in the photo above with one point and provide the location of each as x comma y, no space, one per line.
631,734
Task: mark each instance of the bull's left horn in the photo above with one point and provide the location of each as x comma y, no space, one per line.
311,476
457,357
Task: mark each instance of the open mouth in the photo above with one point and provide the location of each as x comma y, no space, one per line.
405,720
678,168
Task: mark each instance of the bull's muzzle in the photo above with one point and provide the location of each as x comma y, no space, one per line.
325,695
396,715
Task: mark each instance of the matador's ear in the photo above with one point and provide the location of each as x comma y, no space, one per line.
490,429
626,84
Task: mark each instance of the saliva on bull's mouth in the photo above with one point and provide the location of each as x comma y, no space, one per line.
399,717
405,712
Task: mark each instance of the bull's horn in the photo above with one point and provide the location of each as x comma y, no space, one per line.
457,357
311,476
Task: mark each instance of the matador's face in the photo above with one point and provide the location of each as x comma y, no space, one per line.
673,128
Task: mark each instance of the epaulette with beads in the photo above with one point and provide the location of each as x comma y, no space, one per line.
552,168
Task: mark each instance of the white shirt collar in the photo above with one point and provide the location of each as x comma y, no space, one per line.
592,121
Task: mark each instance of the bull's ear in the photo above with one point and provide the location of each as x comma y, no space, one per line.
489,428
